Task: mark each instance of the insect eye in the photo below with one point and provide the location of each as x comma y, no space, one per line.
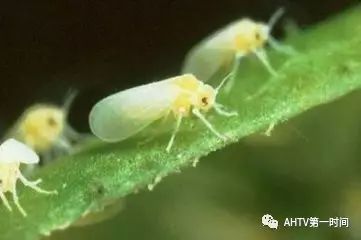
51,122
204,101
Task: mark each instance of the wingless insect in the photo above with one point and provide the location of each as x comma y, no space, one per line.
12,154
124,114
227,46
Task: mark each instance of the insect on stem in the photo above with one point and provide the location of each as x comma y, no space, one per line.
123,115
12,154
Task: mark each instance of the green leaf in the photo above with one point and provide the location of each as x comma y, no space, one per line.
327,67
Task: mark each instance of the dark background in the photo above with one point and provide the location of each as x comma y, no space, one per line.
99,47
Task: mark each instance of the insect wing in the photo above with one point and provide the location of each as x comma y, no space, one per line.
124,114
212,54
14,151
205,62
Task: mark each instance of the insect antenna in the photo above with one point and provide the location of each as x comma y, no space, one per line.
288,50
69,99
224,80
275,18
69,132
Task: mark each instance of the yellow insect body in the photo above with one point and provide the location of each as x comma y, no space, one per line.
242,37
41,127
126,113
227,46
12,154
44,128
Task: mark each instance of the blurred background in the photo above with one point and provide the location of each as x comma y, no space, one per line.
310,167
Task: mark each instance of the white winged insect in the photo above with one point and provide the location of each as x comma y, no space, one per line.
44,128
12,154
126,113
225,48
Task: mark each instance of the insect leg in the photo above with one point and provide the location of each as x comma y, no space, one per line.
196,112
34,184
154,132
221,110
262,56
170,143
195,162
63,143
5,201
270,129
71,133
17,203
62,146
231,75
276,45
